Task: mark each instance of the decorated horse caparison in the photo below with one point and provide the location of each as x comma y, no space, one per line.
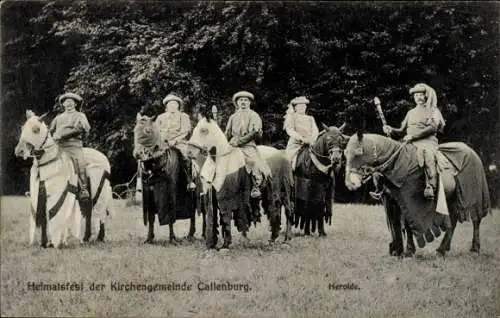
231,182
54,187
463,181
314,180
165,183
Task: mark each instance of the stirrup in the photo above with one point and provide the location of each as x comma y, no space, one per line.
83,194
429,192
191,186
377,195
255,193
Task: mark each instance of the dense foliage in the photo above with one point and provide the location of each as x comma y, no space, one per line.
120,55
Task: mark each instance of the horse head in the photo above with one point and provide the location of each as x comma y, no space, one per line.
207,136
146,132
363,152
330,143
34,136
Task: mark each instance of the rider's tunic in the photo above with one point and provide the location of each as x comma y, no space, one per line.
299,126
70,120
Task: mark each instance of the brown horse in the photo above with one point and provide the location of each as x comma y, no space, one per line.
463,180
314,179
164,178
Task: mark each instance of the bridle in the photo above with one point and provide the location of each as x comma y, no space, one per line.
366,172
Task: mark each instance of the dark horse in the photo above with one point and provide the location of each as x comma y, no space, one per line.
314,179
165,182
463,181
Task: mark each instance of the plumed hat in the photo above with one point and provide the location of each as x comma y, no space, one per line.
299,100
429,92
242,94
77,98
171,97
419,88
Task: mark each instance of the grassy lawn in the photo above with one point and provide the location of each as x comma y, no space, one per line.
288,280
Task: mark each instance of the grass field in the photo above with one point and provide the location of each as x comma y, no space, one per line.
285,281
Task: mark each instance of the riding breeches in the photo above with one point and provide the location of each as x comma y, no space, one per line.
426,152
258,167
76,155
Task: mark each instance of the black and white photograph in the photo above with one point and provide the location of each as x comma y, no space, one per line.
249,158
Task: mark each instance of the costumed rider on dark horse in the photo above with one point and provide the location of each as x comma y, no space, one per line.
301,128
68,129
243,128
175,127
421,125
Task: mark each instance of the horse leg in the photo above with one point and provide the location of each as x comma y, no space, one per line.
476,244
172,237
275,221
307,225
410,244
100,236
226,228
86,207
44,238
393,214
32,228
288,232
192,227
321,226
445,245
151,227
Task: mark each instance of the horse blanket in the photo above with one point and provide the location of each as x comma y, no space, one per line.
471,198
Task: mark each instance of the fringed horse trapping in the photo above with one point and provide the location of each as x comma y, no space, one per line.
53,188
462,179
227,181
164,182
314,178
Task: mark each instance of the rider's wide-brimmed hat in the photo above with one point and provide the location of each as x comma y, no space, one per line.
299,100
172,97
242,94
419,88
77,98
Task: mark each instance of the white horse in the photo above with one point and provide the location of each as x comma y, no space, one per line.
230,180
53,187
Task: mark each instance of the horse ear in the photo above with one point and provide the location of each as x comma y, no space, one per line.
29,114
360,135
325,127
341,128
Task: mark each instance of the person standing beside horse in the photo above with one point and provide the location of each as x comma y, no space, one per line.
421,125
243,128
68,130
301,128
175,127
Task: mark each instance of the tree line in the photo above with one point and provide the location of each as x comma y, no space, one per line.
122,55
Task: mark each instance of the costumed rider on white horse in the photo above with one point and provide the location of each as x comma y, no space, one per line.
68,129
175,127
243,128
421,125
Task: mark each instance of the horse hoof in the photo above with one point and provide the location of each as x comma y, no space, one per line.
190,238
148,241
174,241
474,250
322,234
421,241
441,252
408,254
